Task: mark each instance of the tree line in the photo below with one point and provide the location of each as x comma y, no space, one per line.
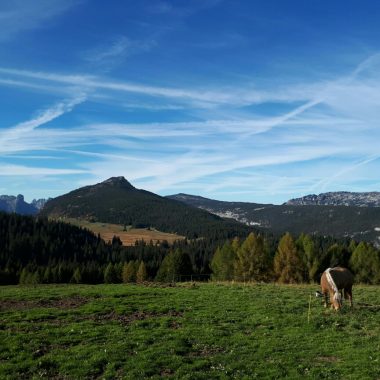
37,250
294,261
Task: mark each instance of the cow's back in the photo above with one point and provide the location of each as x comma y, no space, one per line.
342,277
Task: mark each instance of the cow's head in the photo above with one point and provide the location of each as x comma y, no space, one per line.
336,301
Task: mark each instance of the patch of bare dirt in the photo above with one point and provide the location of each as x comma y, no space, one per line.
60,303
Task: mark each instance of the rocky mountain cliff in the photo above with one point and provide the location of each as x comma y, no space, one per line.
10,203
340,198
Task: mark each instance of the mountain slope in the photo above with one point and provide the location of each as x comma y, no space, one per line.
339,198
362,223
117,201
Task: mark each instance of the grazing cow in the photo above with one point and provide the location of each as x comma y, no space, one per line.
333,282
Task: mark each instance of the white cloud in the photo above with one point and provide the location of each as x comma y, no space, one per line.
15,133
332,132
20,170
198,98
117,49
18,15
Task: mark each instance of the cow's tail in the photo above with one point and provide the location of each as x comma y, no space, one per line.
337,295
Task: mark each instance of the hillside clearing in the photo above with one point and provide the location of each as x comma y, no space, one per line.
191,331
127,236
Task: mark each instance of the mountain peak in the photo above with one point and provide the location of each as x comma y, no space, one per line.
118,182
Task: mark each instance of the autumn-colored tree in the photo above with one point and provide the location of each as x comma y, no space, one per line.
253,261
288,266
141,274
130,271
235,245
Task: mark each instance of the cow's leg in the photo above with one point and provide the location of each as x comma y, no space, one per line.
332,300
348,294
325,297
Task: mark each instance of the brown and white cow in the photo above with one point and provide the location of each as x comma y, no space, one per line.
333,282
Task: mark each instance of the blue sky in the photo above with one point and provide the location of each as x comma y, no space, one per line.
233,100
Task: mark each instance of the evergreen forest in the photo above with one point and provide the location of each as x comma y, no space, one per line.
37,250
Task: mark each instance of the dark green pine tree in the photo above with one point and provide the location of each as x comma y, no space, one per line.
110,274
222,263
365,264
77,276
309,255
175,264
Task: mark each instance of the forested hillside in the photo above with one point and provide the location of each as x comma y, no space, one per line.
360,223
34,250
117,201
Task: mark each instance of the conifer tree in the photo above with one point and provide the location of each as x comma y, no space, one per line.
35,278
129,272
252,261
235,244
24,276
365,264
110,275
118,267
308,253
141,274
222,263
175,264
288,266
47,278
338,255
77,276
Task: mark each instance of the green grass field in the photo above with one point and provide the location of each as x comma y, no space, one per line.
191,331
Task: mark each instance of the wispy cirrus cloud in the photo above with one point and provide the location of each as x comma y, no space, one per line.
15,133
333,93
116,49
326,123
17,16
20,170
201,97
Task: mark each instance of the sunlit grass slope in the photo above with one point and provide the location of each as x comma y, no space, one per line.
191,331
127,235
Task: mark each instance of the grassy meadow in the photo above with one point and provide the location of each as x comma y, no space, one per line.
189,331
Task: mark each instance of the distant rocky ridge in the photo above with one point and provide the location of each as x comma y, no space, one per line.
360,223
339,198
10,203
